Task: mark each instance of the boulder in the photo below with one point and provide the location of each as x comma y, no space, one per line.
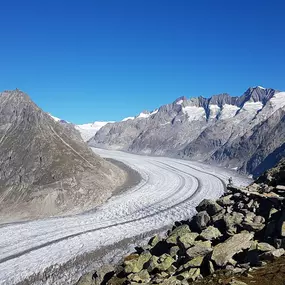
226,201
195,262
263,246
271,255
154,241
210,206
219,216
134,263
210,233
188,239
178,232
252,226
174,251
233,219
224,252
201,248
202,219
117,281
190,275
161,263
140,277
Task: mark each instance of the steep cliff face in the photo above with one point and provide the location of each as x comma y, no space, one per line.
45,168
245,133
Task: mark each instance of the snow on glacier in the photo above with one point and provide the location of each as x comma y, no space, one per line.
88,131
228,111
194,113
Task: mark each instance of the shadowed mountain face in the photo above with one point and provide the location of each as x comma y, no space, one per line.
45,168
246,133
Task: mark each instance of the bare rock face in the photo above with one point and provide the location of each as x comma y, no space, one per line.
246,133
45,168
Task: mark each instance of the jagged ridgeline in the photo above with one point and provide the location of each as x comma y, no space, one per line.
45,167
246,133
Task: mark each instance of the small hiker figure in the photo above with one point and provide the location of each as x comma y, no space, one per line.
230,181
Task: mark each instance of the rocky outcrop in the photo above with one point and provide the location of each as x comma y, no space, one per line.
243,229
46,169
246,133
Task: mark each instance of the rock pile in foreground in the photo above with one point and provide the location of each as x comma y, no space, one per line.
243,229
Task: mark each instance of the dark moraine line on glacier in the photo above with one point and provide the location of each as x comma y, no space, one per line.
121,223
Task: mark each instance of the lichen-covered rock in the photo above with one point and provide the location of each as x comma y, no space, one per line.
210,206
188,239
178,232
226,201
116,281
195,262
263,246
140,277
271,255
190,275
134,263
233,219
224,252
219,216
161,263
201,248
174,251
210,233
154,241
252,226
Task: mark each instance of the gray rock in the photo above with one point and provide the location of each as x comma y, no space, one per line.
263,246
223,252
202,220
199,249
135,262
226,200
188,239
161,263
210,233
178,232
233,219
210,206
271,255
219,216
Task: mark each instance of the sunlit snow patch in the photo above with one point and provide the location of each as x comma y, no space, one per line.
194,113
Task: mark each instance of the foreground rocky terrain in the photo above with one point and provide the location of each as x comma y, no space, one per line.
241,231
46,169
245,133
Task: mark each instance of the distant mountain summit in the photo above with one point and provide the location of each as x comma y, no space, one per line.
246,133
45,167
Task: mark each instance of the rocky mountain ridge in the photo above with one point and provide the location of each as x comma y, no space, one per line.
46,169
245,133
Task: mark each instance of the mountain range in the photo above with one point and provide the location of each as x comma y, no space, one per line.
245,133
45,167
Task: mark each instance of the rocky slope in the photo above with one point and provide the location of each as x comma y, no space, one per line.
45,167
243,230
246,133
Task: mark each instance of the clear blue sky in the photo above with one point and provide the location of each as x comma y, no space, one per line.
105,60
